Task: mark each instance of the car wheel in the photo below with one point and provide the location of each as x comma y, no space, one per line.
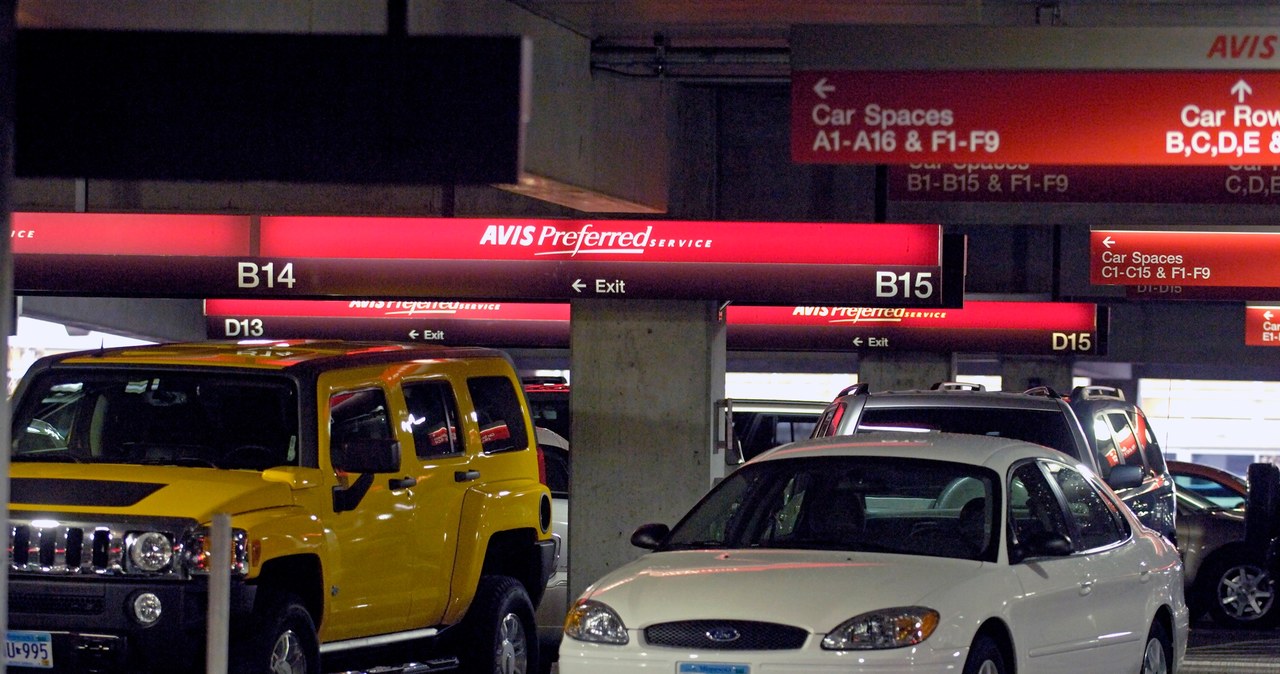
500,636
279,639
1157,657
1239,592
984,657
1260,510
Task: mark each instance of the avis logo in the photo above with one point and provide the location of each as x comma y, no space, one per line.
508,235
1234,47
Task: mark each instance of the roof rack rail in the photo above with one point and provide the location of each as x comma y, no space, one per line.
1096,393
1046,391
957,386
859,389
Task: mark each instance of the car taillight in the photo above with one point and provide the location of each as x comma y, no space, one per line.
542,466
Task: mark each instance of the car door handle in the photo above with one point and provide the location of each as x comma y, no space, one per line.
465,475
402,483
1086,586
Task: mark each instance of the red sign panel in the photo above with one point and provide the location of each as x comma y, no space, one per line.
1262,325
1046,328
1043,117
1184,258
1022,183
310,257
1041,328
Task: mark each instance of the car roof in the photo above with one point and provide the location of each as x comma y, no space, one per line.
961,398
270,355
981,450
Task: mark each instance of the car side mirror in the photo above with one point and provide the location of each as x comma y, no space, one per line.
1041,544
650,536
1125,477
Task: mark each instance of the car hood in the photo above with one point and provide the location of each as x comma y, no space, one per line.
117,489
814,589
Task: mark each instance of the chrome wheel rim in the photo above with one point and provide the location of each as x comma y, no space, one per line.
287,655
1153,661
988,667
1245,592
512,647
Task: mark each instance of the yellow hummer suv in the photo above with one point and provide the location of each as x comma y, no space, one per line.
379,494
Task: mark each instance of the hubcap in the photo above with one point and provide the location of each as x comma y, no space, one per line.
1153,661
988,667
287,656
1245,592
512,647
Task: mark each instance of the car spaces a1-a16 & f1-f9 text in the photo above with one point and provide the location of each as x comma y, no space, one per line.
892,551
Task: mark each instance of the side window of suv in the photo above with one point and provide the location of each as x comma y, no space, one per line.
499,413
357,415
1147,440
433,413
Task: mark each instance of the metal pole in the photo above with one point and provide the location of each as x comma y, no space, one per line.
219,622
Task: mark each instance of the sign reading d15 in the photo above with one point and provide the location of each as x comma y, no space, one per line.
1184,258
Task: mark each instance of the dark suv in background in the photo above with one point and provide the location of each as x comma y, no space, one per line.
1129,460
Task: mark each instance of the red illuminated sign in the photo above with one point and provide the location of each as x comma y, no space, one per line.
1042,117
1262,325
1044,328
490,259
1184,258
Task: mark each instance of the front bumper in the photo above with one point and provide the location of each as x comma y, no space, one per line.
92,628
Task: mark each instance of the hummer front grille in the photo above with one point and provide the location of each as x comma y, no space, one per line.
55,547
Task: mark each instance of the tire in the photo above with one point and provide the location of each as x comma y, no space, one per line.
499,635
1260,516
1157,655
1238,592
985,657
280,637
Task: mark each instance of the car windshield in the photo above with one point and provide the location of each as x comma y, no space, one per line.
158,417
1190,500
868,504
1043,427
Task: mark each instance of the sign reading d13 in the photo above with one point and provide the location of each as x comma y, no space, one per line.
1184,258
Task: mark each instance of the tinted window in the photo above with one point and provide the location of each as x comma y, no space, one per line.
160,417
358,415
1095,518
499,413
1043,427
848,503
433,415
757,432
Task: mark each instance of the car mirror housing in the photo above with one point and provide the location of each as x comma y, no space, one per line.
1041,544
1125,477
650,536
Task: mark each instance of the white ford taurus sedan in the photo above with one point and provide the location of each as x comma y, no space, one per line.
892,552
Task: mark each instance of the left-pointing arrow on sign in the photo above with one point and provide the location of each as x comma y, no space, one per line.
413,334
822,88
578,285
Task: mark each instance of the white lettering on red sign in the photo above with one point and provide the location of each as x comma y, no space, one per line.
584,240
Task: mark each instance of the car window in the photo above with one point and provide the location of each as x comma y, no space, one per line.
1147,440
433,416
1094,518
1050,428
849,503
358,415
499,413
1034,509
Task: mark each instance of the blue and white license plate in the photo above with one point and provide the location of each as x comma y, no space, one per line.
29,649
712,668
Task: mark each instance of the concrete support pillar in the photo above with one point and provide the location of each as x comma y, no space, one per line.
645,376
1022,373
899,371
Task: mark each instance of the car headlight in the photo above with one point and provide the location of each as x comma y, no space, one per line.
595,622
196,549
887,628
149,551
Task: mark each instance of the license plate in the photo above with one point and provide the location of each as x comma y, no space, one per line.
29,649
712,668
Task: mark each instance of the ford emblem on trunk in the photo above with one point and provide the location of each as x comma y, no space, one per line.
723,634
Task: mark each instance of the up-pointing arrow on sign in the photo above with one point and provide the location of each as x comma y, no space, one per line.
1241,89
821,88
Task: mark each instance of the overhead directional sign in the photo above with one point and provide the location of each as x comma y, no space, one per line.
1262,325
487,259
1040,328
1184,258
1196,97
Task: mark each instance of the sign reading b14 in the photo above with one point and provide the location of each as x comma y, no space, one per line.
1042,117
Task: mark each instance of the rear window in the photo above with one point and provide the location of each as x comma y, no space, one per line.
499,413
1043,427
